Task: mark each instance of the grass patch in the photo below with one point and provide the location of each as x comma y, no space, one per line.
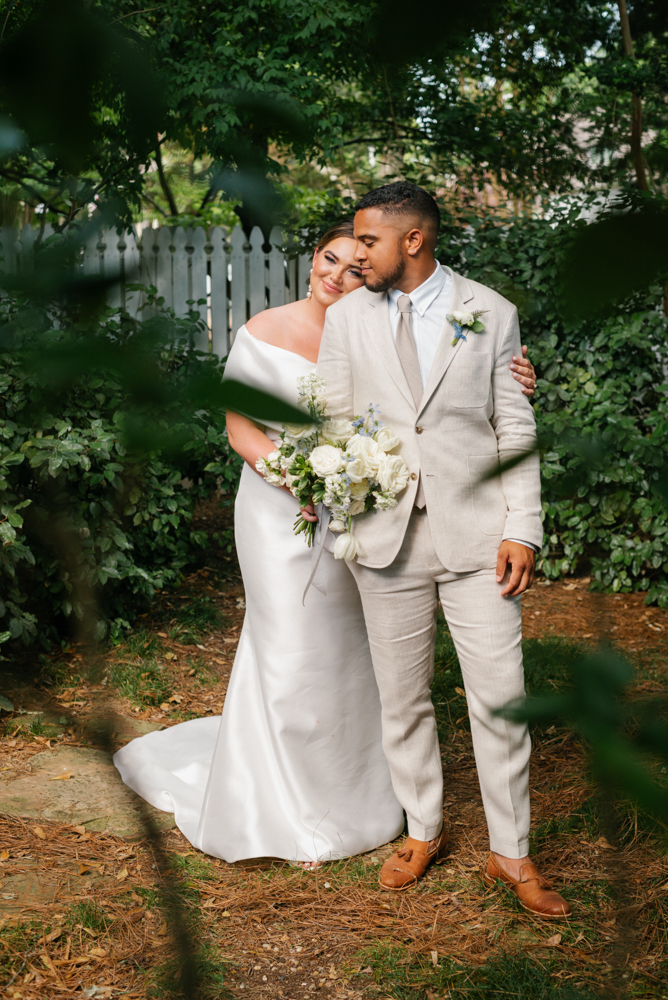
19,943
406,976
89,914
194,618
141,683
209,971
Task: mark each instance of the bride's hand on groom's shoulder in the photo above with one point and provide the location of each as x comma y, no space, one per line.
515,568
524,372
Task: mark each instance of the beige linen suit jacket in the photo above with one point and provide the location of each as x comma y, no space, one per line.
472,416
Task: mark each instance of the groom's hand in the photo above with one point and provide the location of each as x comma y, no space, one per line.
515,567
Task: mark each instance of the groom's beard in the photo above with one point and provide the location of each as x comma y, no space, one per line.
383,282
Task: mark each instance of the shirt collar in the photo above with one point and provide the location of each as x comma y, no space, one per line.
422,296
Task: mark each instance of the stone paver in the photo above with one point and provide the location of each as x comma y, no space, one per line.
94,796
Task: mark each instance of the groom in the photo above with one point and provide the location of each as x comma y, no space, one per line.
455,535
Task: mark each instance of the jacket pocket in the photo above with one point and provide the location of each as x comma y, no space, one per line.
469,378
489,503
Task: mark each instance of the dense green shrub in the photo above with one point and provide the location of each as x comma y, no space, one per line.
88,507
601,408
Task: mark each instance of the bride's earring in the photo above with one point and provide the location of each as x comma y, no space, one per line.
310,289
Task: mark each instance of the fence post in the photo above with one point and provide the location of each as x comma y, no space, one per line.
163,268
256,272
220,339
238,266
198,275
130,273
111,263
180,263
277,290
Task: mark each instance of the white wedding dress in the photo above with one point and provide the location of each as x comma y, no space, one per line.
294,769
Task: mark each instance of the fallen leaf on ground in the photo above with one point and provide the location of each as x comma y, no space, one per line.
434,958
554,940
461,692
604,844
39,832
178,698
122,875
163,930
53,936
4,855
163,635
62,777
79,829
98,952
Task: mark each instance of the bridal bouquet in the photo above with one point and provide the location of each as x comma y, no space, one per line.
346,465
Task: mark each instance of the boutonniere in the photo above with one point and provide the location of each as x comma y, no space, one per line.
465,322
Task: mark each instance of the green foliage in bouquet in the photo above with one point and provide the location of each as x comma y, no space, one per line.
71,468
601,407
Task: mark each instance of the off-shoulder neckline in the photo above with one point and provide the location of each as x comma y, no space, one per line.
274,347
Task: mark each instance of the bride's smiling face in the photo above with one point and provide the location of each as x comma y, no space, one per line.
335,272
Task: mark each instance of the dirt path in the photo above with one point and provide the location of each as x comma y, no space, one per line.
80,905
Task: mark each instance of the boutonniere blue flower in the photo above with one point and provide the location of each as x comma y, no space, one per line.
466,322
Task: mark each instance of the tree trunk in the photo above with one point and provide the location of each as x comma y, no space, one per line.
166,190
636,102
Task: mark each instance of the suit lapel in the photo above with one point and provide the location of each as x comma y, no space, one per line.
462,293
377,322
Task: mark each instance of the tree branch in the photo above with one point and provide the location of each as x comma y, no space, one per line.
636,102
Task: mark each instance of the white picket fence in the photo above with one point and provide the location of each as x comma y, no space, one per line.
234,276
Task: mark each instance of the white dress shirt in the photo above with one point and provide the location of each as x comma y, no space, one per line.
430,302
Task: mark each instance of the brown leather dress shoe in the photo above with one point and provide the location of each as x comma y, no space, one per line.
534,892
403,869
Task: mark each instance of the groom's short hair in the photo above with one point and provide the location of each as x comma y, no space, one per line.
403,198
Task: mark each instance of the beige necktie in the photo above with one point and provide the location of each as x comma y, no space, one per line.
408,356
407,350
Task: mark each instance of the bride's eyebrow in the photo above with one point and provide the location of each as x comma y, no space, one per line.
333,255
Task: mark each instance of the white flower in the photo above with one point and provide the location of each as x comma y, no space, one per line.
356,470
384,501
386,440
393,473
297,432
463,318
273,476
347,547
337,525
326,460
370,453
356,507
358,490
336,430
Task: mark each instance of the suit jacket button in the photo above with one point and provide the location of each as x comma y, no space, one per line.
413,475
418,430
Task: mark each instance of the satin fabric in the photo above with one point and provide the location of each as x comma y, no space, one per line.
294,768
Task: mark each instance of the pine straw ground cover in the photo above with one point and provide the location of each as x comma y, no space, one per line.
263,929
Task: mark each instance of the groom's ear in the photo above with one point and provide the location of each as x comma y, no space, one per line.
414,241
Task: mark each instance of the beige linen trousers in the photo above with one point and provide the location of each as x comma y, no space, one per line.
472,416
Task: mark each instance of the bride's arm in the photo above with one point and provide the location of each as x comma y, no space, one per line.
249,441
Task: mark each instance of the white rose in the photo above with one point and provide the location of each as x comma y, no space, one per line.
393,474
386,441
370,453
337,525
356,470
326,460
347,547
358,490
297,432
336,430
356,507
463,318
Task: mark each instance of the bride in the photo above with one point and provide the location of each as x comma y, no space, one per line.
294,769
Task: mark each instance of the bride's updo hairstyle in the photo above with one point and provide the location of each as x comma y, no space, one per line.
343,228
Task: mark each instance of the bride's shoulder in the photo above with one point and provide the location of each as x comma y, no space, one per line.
270,325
